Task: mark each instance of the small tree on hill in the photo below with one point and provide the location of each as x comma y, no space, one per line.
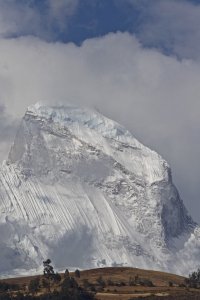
194,279
171,284
57,277
48,269
110,282
86,283
34,284
46,284
66,273
68,283
49,275
131,282
101,282
77,273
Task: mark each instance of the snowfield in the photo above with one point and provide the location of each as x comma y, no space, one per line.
80,189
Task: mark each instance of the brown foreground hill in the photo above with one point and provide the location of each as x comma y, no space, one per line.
115,283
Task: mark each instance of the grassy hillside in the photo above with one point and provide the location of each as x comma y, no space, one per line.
106,283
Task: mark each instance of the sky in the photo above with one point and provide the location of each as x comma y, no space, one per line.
135,61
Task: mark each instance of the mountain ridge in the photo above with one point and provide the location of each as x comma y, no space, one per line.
79,185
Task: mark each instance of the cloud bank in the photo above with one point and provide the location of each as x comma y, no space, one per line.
171,26
45,19
8,127
155,96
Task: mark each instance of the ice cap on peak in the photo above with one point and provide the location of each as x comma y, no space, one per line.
71,115
36,106
41,105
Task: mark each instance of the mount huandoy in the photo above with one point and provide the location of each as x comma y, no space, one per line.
79,188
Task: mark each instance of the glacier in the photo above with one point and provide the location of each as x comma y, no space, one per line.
78,188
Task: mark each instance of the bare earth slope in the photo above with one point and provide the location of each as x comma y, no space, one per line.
115,284
79,188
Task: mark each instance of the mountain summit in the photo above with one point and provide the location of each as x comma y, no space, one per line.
79,188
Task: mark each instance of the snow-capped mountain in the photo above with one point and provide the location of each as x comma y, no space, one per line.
80,189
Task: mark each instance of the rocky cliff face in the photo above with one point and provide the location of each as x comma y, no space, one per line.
80,189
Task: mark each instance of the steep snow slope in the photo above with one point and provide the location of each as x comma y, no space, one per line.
80,189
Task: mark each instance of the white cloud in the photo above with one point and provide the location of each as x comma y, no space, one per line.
8,127
14,16
155,96
23,18
172,25
59,9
